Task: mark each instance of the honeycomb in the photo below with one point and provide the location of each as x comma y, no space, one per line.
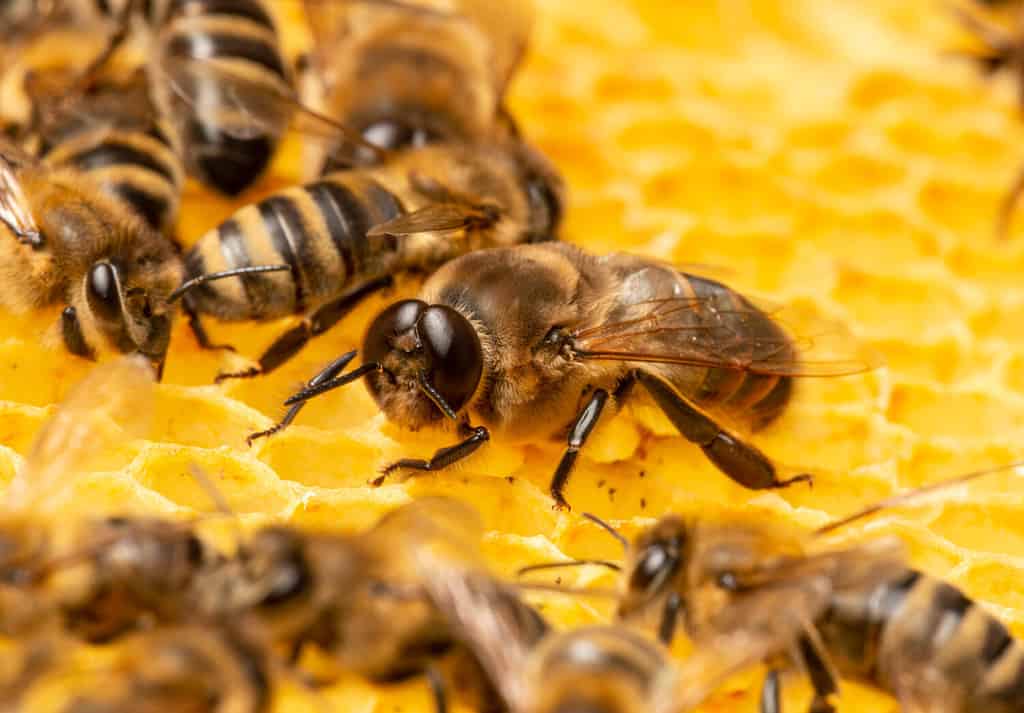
824,153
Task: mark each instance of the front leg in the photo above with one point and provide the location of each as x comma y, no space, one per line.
291,342
581,429
442,458
741,461
669,618
71,331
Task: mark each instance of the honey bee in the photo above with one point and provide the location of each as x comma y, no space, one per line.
188,669
216,71
536,341
594,669
359,598
99,578
405,74
345,235
748,593
65,240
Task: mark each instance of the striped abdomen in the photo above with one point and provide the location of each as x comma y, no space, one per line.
319,230
895,632
761,396
229,131
132,160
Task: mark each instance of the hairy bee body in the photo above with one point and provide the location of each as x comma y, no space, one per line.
321,230
114,135
518,296
917,636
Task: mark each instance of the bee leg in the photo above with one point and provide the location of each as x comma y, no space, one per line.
771,698
822,680
669,617
437,689
442,458
71,330
199,330
291,342
586,419
741,461
327,374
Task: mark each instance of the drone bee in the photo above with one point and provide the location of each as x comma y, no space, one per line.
65,240
405,74
535,341
360,598
748,593
346,234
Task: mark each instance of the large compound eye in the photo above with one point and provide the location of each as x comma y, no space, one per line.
654,567
396,320
103,291
453,352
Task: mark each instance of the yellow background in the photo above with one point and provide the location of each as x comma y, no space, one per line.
823,153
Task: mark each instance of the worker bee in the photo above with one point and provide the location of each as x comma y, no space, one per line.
535,341
216,71
345,235
594,669
101,577
359,598
748,593
67,241
405,74
190,669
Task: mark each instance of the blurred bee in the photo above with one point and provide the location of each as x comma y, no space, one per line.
595,669
188,669
359,598
66,240
748,593
98,578
217,73
536,341
405,74
345,235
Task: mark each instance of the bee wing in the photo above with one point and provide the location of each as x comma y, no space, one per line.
246,109
438,217
508,25
92,419
701,331
15,211
775,606
485,618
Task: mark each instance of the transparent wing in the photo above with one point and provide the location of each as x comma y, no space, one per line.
15,211
508,26
776,603
246,108
114,397
435,218
488,618
720,329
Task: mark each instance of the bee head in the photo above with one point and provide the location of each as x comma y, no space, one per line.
431,361
654,561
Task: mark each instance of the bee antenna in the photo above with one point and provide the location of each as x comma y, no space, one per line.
571,563
608,528
917,494
212,276
325,386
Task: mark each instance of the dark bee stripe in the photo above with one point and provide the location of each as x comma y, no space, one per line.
997,641
346,222
286,228
228,163
769,407
948,607
235,8
153,209
203,46
232,246
383,204
886,601
113,153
